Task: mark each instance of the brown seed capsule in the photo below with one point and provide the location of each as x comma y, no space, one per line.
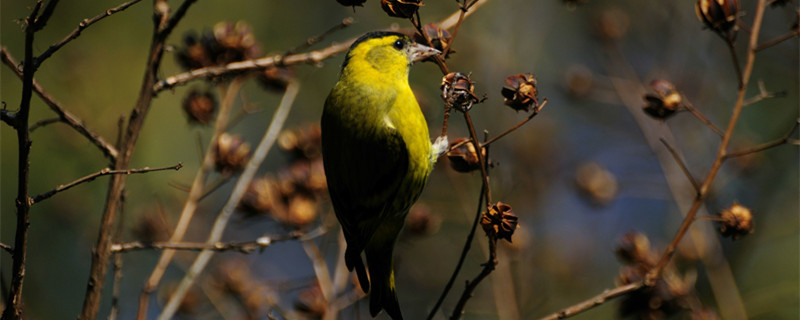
458,91
401,8
352,3
612,24
197,51
302,210
199,106
579,80
151,228
634,248
499,221
665,102
236,41
736,221
520,92
276,78
303,143
462,155
717,15
440,38
261,196
231,153
312,302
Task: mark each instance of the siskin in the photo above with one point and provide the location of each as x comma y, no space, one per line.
377,156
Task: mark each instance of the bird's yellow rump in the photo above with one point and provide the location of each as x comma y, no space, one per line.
377,156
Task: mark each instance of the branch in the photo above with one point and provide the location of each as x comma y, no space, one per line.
518,125
488,267
781,141
224,216
8,117
312,57
101,253
763,94
13,304
464,251
73,121
702,118
594,301
311,41
778,40
43,122
77,32
243,247
721,151
103,172
7,248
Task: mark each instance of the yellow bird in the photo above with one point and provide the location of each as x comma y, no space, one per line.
377,156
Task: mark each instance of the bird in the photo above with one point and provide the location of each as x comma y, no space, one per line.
377,155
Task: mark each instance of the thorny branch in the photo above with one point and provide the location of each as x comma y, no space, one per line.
103,172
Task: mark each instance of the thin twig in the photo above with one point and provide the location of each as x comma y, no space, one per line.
594,301
681,164
7,248
488,267
70,119
43,122
224,216
653,275
117,258
243,247
732,49
103,172
781,141
315,39
463,257
770,43
518,125
163,25
481,158
763,94
77,32
697,114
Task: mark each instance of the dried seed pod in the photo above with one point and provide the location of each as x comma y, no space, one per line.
401,8
199,106
440,38
666,297
665,102
302,210
276,78
499,221
634,248
458,91
236,41
596,183
231,153
612,24
718,15
151,228
312,302
520,93
197,51
302,143
261,196
351,3
579,80
736,221
463,156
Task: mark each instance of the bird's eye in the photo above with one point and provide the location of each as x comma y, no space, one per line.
399,44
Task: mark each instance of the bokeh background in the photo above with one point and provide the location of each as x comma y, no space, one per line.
564,250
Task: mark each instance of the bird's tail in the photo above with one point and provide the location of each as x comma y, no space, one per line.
379,258
352,259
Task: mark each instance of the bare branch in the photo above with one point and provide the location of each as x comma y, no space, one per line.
43,122
7,248
8,117
770,43
763,94
243,247
518,125
311,41
73,121
77,32
594,301
103,172
702,118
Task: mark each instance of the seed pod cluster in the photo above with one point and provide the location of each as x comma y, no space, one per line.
231,153
199,106
401,8
226,42
439,38
665,102
499,221
736,221
520,92
458,91
463,156
718,15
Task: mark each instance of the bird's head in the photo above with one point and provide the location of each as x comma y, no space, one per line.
389,53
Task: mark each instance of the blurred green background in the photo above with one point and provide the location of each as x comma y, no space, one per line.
563,251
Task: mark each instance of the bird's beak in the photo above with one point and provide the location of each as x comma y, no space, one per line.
417,52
